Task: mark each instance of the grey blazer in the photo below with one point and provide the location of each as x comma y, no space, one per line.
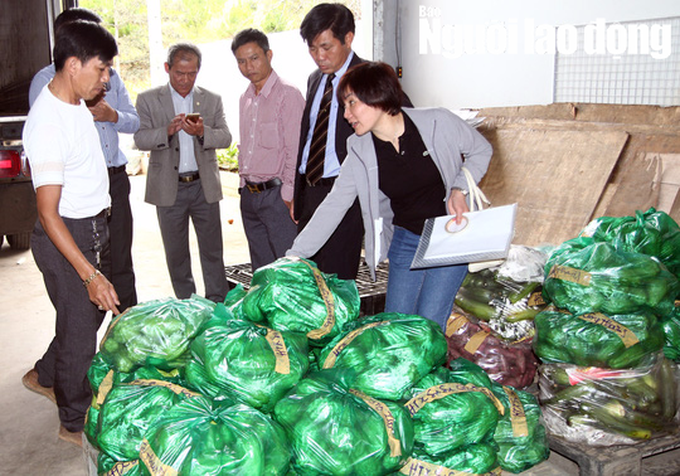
155,111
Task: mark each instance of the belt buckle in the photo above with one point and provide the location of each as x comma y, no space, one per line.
252,188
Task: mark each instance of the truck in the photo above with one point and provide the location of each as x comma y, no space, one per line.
26,35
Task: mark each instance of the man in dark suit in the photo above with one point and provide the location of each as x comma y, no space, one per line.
182,125
328,30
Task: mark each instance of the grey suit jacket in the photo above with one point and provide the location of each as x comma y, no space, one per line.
156,110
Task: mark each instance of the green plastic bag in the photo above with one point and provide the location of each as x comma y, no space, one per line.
251,363
103,378
107,466
293,295
156,333
651,233
520,434
336,430
594,339
476,459
205,438
449,413
389,353
671,330
128,412
586,276
234,301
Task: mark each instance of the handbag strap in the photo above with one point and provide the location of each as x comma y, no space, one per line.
476,197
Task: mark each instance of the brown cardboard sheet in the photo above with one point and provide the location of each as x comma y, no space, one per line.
557,177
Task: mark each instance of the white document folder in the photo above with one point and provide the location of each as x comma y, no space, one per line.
486,236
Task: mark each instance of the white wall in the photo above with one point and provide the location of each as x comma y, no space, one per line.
485,76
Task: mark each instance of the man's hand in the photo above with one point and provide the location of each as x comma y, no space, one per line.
102,110
175,125
457,205
193,127
291,209
101,292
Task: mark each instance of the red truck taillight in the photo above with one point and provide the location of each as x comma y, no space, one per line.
10,163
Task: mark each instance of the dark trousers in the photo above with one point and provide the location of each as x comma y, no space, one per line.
64,366
174,224
342,252
120,230
266,221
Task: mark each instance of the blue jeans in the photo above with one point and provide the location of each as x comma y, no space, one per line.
427,292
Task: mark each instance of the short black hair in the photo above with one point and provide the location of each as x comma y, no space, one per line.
250,35
184,50
327,16
84,40
73,14
375,84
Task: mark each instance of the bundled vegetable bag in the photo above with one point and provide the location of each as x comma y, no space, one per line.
671,331
103,378
155,333
293,295
475,459
450,413
520,434
251,363
107,466
510,363
609,407
201,437
504,306
129,410
594,339
337,430
587,276
652,233
389,352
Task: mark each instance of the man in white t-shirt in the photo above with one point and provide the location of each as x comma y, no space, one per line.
70,239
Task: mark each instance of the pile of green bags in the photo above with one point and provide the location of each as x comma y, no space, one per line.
600,342
245,398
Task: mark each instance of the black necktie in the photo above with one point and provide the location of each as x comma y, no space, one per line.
317,149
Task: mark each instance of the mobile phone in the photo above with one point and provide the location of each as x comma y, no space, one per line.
193,117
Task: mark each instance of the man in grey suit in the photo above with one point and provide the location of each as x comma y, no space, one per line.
182,125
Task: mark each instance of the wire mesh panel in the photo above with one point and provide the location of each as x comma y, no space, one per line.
620,63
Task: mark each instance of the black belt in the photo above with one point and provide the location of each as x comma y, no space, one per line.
322,182
254,187
104,213
116,170
190,177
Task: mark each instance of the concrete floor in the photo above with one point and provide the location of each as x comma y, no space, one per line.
28,422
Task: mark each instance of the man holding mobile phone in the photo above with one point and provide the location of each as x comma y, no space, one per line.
182,125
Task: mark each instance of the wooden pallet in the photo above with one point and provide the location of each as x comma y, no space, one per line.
622,460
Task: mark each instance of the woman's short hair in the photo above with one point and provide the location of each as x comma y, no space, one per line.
375,84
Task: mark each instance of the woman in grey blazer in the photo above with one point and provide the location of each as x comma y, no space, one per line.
404,165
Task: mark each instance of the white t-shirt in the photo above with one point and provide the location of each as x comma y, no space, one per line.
63,148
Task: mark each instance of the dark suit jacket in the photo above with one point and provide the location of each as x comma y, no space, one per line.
342,132
156,110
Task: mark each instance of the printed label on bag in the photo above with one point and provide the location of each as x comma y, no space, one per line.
475,342
627,336
105,387
328,300
454,323
416,467
345,341
518,418
278,346
381,409
572,275
179,390
438,392
536,299
153,464
121,468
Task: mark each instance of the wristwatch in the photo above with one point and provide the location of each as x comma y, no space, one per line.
463,191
